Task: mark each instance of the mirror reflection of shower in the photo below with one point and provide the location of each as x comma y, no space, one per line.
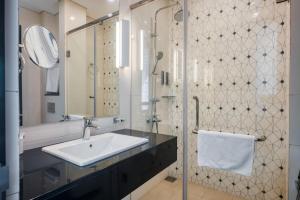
158,55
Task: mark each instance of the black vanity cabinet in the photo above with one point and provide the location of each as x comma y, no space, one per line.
109,179
94,187
134,172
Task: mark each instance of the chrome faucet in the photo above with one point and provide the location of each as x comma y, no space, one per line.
88,123
65,118
154,120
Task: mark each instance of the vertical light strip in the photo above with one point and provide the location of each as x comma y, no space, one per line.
175,65
95,73
122,43
118,49
181,62
206,75
142,49
195,70
121,62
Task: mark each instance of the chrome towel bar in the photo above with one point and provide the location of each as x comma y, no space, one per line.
260,139
195,131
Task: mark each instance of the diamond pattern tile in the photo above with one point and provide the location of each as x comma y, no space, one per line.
237,66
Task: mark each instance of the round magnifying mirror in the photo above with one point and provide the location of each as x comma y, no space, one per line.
41,46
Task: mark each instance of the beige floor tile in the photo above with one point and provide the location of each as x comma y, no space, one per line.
173,191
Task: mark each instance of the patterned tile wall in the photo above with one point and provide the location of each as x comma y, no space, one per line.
238,67
110,72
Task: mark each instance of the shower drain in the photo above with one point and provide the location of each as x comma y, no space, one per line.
170,179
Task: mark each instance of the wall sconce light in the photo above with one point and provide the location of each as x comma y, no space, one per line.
122,43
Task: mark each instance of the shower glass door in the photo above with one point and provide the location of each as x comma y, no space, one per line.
80,72
3,168
155,46
91,76
157,64
238,67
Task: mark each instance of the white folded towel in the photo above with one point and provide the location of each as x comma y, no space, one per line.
76,117
52,80
227,151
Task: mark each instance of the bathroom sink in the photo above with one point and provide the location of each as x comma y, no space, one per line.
84,152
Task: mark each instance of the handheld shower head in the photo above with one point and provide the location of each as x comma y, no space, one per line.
159,56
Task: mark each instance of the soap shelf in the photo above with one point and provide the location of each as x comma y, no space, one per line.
155,100
168,97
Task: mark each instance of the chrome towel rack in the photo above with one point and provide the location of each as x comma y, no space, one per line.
195,131
260,139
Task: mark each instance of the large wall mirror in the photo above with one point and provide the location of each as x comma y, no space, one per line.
93,89
67,60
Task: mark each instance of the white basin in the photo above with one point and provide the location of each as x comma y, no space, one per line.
84,152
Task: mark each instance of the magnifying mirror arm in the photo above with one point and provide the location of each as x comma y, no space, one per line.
22,62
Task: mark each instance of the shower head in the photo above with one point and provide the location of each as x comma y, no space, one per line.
159,56
179,15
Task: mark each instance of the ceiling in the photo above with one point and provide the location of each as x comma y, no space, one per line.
99,8
51,6
95,8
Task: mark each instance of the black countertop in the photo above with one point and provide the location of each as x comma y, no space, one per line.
42,173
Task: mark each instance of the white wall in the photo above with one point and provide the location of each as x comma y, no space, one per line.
125,73
32,76
76,64
294,116
51,22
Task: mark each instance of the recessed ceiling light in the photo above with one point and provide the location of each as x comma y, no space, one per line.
111,1
72,18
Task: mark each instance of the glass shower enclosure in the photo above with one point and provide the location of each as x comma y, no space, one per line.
157,71
230,56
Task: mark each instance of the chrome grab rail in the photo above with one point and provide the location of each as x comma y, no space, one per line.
196,129
197,114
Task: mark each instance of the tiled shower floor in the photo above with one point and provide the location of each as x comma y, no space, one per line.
173,191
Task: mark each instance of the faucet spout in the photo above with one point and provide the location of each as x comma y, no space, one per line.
88,123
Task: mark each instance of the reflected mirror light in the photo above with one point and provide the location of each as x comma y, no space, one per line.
41,46
122,43
255,14
72,18
141,50
195,70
